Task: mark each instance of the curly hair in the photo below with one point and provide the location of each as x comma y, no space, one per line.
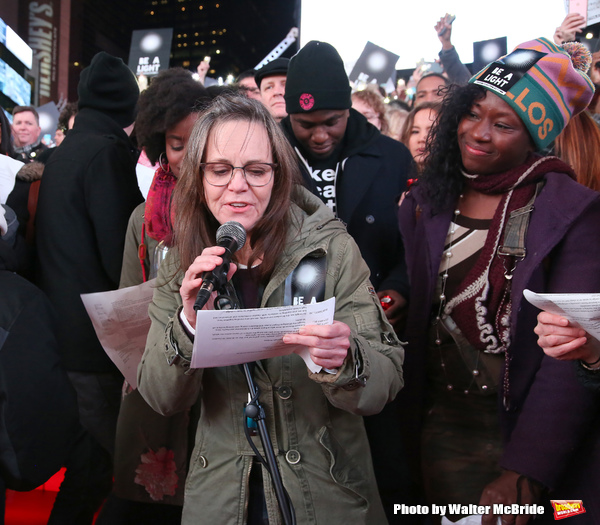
67,112
441,179
196,226
375,102
171,97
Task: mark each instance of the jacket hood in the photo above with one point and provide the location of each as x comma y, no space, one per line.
89,119
360,134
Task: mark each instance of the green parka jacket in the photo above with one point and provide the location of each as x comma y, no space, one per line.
314,420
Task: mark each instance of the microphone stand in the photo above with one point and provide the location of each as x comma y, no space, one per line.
255,411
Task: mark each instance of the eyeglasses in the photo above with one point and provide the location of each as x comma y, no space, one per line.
220,174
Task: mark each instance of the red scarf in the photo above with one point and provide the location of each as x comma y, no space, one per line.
158,205
481,306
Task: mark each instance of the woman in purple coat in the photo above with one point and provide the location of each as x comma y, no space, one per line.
502,423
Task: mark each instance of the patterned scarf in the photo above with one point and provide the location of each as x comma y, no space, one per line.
158,205
25,150
481,306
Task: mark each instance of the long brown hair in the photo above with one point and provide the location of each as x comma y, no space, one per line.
410,120
194,226
579,146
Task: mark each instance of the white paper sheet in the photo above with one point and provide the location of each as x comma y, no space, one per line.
593,12
233,337
8,170
120,319
580,308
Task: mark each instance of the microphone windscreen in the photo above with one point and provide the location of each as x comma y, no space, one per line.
233,230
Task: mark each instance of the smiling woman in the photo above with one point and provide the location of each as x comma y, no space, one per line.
479,227
492,138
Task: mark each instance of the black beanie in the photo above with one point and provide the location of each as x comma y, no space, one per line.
109,86
317,79
279,66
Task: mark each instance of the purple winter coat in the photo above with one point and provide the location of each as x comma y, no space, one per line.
551,430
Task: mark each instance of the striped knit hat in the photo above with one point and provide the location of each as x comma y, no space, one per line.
544,83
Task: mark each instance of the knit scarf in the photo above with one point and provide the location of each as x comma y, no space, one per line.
24,150
481,306
158,205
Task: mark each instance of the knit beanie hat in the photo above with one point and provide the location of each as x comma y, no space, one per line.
543,83
109,86
317,79
279,66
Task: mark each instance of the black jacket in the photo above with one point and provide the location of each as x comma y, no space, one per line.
38,409
31,154
373,179
87,194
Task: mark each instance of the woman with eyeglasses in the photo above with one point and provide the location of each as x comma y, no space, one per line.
239,167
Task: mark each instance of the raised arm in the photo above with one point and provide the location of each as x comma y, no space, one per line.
567,31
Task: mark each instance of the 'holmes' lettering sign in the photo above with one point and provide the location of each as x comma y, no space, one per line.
43,40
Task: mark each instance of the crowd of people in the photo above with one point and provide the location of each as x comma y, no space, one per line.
437,382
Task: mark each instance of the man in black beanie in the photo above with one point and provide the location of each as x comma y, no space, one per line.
359,173
87,194
271,79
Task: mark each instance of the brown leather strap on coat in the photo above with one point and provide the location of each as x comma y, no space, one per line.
32,200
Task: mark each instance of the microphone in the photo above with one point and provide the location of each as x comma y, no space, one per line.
231,236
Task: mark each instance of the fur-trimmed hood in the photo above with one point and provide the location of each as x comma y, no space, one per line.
31,171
